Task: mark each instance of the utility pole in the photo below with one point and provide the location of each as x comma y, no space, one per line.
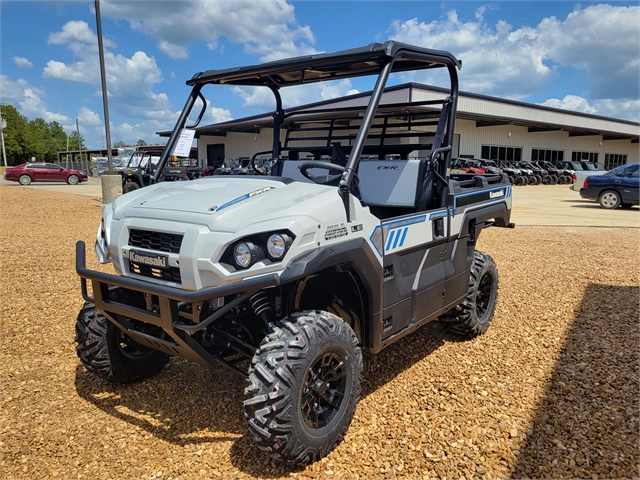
79,144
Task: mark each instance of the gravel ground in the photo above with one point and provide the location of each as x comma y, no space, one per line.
551,390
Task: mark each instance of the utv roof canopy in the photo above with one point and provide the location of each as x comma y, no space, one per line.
355,62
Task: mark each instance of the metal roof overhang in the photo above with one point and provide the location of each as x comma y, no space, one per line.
535,127
254,124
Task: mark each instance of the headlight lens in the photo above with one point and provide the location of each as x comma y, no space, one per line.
276,246
242,255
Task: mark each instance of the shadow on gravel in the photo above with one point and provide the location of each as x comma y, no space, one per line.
190,404
185,403
588,420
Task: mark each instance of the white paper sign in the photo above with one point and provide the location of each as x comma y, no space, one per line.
183,147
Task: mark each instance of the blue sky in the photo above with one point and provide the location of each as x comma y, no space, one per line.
579,56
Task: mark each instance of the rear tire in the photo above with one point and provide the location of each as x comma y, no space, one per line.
473,316
108,352
130,187
305,384
610,199
73,180
24,180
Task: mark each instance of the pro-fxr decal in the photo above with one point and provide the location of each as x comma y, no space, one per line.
392,235
245,196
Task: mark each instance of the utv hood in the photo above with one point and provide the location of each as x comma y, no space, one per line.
216,197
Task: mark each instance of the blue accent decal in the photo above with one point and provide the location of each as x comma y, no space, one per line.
375,245
396,238
391,235
408,221
395,242
234,201
440,214
404,234
396,234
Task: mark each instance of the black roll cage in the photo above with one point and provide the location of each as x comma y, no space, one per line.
374,59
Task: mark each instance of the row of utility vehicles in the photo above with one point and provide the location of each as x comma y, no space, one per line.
284,277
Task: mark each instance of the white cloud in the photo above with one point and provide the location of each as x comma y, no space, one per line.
570,102
220,115
265,27
22,62
21,93
89,118
603,40
130,81
622,109
295,96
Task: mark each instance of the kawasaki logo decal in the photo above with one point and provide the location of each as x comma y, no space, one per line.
159,261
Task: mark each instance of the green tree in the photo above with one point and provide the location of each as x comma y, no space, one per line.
120,144
140,143
37,138
14,141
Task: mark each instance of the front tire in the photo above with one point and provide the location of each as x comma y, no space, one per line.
130,187
610,199
73,180
108,352
473,316
305,384
24,180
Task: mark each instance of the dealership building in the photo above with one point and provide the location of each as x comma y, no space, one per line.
486,127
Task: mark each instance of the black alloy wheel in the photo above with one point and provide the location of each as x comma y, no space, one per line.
323,390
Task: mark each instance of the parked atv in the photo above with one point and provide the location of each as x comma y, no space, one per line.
139,170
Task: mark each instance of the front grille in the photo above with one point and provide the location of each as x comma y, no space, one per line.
171,274
158,241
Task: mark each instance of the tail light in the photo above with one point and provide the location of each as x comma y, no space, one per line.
575,177
585,184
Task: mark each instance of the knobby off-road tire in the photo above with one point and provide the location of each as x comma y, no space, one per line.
109,353
304,387
472,317
130,187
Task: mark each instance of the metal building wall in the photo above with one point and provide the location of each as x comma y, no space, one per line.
471,137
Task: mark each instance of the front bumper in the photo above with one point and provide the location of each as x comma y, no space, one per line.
162,309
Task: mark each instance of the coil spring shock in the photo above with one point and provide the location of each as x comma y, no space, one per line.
261,306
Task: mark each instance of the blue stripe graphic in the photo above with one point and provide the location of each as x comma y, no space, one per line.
404,234
391,235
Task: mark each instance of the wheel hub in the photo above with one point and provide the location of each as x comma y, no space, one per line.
323,390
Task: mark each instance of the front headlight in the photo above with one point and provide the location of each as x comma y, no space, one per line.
276,246
242,254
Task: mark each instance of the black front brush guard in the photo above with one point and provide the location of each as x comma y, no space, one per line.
167,315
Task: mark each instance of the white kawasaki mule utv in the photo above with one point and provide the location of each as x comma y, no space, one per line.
284,276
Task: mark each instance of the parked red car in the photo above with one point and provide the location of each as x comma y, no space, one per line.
43,172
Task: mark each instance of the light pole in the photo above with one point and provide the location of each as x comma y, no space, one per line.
111,181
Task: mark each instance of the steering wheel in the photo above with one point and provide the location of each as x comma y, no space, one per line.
321,179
